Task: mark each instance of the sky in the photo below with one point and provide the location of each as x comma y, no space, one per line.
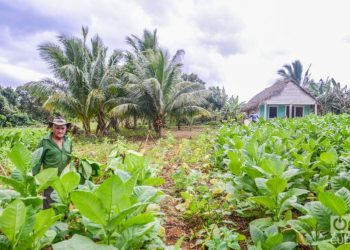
236,44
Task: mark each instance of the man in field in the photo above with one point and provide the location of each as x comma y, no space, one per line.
57,148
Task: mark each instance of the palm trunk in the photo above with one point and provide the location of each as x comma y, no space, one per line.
101,124
178,125
86,125
127,123
113,123
135,121
158,125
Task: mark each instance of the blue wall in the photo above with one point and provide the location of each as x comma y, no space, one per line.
281,110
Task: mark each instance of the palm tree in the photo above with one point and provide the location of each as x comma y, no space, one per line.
154,83
87,84
330,96
294,72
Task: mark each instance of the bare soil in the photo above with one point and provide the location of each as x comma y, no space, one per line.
175,226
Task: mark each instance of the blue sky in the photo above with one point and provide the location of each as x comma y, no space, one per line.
236,44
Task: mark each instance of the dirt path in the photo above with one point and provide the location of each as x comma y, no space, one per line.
175,226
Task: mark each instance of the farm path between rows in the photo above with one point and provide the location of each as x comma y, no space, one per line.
175,226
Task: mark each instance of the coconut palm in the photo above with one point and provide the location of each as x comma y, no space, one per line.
87,84
294,72
154,84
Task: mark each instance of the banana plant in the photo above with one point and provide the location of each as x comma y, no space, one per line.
26,229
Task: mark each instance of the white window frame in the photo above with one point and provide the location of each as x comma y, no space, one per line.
268,113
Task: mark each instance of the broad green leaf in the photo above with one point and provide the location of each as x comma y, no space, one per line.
344,193
342,180
273,166
7,195
16,185
60,190
36,157
264,200
133,161
47,239
139,219
110,193
257,235
12,219
252,149
290,173
285,246
146,193
87,170
70,181
89,206
330,157
300,226
333,202
35,202
44,219
26,229
132,235
131,183
344,247
21,157
273,240
323,245
124,214
78,242
276,185
124,175
321,213
65,184
17,175
235,163
154,181
45,177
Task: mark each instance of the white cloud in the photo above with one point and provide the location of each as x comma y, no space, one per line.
231,43
20,75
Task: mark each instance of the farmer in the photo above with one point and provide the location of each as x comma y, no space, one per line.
57,148
254,117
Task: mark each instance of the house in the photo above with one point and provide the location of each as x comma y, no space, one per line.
283,99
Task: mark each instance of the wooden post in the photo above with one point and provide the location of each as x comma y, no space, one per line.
265,112
290,111
316,108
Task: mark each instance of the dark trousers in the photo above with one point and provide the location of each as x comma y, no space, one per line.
47,198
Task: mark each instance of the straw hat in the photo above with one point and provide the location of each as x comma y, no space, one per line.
59,121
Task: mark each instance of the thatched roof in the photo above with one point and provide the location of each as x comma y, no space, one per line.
269,92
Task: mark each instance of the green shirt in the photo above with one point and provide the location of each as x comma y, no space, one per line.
53,156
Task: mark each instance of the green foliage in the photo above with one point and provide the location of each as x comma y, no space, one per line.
116,211
295,169
78,242
21,178
25,228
